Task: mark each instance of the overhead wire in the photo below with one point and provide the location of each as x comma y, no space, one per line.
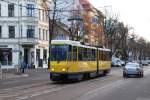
40,8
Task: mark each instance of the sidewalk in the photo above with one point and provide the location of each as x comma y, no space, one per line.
28,72
12,75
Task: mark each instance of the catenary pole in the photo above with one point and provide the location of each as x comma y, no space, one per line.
51,30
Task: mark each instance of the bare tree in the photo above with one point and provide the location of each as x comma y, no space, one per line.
139,47
56,13
117,34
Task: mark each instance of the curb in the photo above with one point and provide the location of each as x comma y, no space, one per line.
10,76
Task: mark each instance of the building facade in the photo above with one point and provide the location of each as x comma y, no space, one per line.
23,33
89,23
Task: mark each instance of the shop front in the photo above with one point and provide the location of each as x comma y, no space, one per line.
6,56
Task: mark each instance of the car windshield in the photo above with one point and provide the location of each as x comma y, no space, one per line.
132,65
59,52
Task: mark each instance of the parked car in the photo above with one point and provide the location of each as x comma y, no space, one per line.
144,63
133,69
116,63
122,62
148,61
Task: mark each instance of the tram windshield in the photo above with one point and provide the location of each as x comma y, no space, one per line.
59,52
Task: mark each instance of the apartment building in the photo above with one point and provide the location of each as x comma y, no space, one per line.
23,33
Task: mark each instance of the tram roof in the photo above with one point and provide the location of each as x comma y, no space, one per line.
76,43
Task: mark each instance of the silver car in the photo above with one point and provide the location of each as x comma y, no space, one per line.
133,69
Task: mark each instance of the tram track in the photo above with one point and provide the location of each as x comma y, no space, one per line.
33,90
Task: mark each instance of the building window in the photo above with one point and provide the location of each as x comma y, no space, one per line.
39,33
0,10
11,12
45,56
46,16
0,31
46,34
43,15
11,31
94,19
20,9
30,10
21,31
39,14
30,31
6,56
43,34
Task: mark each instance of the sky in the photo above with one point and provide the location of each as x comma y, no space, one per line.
134,13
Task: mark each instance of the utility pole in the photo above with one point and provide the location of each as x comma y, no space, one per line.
19,58
51,29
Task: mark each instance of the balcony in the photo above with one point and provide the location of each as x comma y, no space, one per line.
29,40
23,41
15,19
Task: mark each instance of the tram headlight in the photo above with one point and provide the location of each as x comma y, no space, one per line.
63,69
52,69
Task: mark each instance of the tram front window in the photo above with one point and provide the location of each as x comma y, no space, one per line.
59,53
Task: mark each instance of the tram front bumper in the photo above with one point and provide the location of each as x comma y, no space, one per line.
63,76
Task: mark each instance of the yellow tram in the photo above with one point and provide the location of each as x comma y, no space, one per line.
72,60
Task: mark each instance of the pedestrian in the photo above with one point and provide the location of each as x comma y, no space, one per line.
22,66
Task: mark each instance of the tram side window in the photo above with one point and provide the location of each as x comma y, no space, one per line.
70,53
108,55
80,54
88,55
93,57
104,56
100,55
85,56
74,53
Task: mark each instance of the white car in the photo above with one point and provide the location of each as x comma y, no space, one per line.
133,69
116,63
122,63
144,63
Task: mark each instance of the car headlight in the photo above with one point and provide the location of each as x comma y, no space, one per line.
138,69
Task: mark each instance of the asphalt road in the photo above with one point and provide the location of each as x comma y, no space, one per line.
110,87
35,76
